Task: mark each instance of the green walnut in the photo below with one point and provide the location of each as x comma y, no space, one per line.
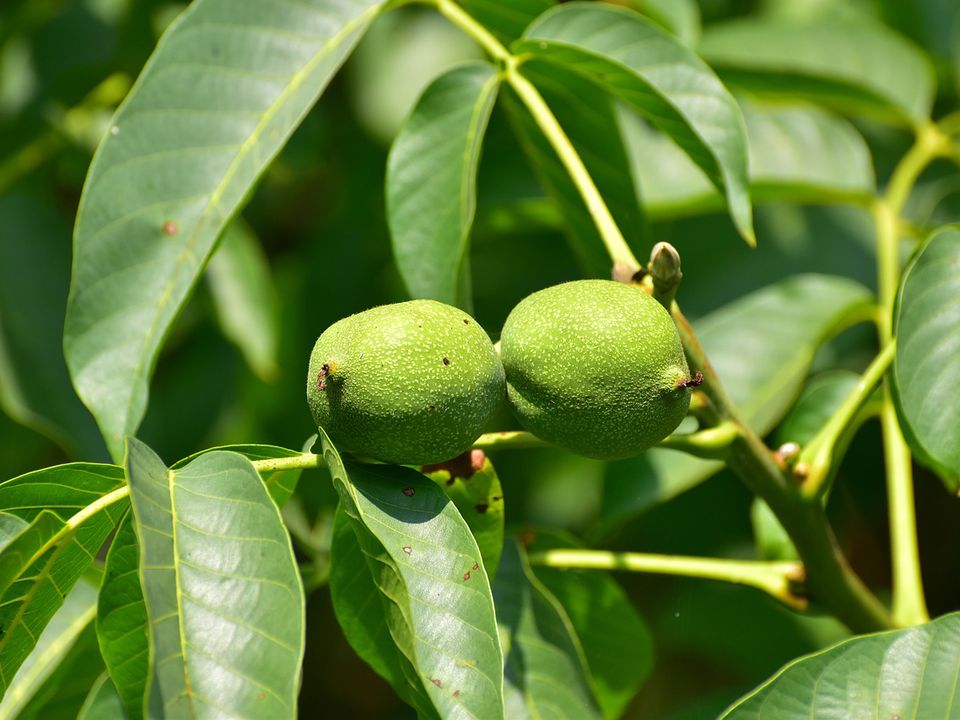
412,383
596,367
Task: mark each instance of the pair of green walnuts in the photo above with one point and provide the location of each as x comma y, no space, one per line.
594,366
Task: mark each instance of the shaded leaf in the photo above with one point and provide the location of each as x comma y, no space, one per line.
797,153
53,681
34,275
616,643
32,600
103,702
926,368
855,64
245,299
761,346
653,72
587,116
122,621
431,182
431,587
899,674
224,89
506,18
545,673
211,539
478,496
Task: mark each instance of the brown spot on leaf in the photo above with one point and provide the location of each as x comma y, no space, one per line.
261,696
407,549
446,361
436,682
497,498
456,693
170,227
476,566
481,507
466,576
409,491
466,322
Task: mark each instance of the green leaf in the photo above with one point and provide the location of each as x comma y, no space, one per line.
899,674
680,17
616,643
855,64
211,542
431,182
587,115
32,600
103,702
280,483
245,299
26,548
478,496
797,153
122,620
34,274
545,672
361,615
761,346
224,89
10,527
653,72
507,19
926,368
53,681
431,588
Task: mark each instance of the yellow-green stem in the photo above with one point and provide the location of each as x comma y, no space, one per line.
776,578
909,605
303,461
819,456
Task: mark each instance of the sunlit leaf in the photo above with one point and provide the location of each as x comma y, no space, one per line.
38,592
656,74
431,182
225,88
926,368
908,673
431,588
211,540
472,483
855,64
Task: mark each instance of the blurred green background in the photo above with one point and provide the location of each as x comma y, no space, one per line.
317,222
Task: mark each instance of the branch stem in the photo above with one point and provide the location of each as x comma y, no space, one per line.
775,578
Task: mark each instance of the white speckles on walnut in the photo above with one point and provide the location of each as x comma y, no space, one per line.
593,366
412,383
